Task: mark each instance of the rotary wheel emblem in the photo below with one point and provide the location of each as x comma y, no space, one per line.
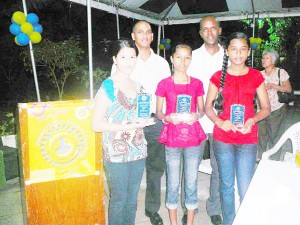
63,143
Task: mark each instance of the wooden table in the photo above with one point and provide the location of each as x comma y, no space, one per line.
273,197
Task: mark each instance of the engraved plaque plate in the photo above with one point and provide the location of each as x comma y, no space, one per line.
183,104
237,115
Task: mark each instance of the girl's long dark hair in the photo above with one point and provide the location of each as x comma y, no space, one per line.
219,101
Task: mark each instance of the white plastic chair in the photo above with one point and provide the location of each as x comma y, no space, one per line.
293,133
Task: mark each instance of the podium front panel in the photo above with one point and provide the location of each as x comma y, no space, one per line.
61,157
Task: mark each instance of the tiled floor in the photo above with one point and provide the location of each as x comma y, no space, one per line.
11,209
10,204
201,217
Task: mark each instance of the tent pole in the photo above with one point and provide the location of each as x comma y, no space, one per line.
32,60
89,18
163,30
158,39
253,32
118,25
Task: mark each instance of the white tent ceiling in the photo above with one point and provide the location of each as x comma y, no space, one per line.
163,12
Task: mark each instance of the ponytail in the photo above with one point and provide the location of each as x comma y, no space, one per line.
218,102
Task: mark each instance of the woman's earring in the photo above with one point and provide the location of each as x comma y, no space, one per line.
172,68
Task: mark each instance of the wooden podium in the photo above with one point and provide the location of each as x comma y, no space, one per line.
61,164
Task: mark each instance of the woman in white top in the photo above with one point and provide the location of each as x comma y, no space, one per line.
269,126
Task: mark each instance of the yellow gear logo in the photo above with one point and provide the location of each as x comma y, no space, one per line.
62,143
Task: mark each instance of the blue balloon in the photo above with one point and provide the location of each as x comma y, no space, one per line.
32,18
15,29
38,28
163,41
23,39
254,46
167,46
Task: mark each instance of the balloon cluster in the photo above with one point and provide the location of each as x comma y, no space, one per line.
255,42
165,43
25,28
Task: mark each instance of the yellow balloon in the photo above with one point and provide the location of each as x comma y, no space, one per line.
26,28
16,41
258,41
35,37
19,17
161,46
252,40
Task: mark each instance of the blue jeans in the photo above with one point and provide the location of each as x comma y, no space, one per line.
234,160
124,181
191,158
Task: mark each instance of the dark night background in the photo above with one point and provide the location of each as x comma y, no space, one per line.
62,20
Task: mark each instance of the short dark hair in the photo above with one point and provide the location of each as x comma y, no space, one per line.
140,21
212,17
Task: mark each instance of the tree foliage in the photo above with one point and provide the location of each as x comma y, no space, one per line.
282,35
99,75
275,36
10,53
58,60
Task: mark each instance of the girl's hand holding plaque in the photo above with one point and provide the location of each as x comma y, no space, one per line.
247,127
183,108
182,118
143,110
145,122
193,117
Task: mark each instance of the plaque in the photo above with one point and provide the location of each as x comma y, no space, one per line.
237,115
143,106
183,104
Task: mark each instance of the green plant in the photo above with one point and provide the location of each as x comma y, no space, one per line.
59,60
98,76
7,125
